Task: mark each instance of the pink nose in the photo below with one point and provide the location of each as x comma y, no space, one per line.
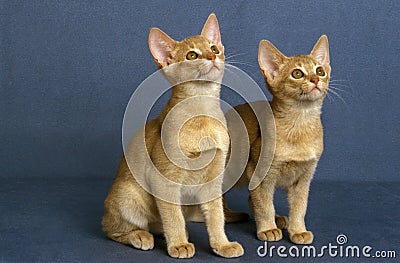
314,80
210,56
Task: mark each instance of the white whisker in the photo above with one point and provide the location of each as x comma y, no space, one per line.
344,80
329,97
338,89
338,95
234,55
240,63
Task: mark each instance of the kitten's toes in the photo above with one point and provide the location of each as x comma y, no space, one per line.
270,235
181,251
142,239
282,222
230,250
302,238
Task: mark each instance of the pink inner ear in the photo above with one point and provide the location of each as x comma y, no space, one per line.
161,46
211,30
269,58
321,51
213,37
321,56
160,52
272,68
268,63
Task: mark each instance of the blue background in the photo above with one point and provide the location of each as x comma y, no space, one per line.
68,69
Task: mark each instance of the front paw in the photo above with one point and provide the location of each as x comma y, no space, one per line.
181,251
230,250
302,238
274,234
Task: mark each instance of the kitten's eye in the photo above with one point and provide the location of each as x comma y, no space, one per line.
297,74
191,55
320,71
214,49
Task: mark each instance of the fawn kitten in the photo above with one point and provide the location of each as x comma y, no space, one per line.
195,68
299,85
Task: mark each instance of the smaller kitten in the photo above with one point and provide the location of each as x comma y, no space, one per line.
299,85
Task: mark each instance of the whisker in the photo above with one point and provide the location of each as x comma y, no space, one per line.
338,95
338,80
234,55
329,97
240,63
338,89
340,84
250,73
333,79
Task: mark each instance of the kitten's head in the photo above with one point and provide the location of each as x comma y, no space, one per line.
298,78
195,57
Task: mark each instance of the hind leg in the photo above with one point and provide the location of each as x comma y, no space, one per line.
127,222
140,239
282,222
123,231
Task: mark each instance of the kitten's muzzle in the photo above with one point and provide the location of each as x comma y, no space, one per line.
314,80
210,56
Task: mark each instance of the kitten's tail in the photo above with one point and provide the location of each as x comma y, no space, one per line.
230,216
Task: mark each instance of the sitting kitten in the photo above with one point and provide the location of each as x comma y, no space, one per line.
299,85
131,212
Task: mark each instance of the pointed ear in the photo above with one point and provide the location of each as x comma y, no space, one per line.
269,58
211,30
161,46
321,51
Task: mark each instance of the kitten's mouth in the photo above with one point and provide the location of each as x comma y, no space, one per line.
213,67
312,94
315,90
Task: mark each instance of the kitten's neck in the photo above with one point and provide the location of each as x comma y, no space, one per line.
205,96
290,107
195,88
297,119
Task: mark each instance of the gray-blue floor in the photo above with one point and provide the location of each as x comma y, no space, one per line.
58,220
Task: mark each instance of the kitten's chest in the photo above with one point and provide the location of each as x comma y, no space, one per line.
203,133
196,124
298,142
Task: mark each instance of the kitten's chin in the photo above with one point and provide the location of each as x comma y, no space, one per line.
214,72
313,95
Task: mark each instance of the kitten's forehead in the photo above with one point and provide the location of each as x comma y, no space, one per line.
301,61
195,42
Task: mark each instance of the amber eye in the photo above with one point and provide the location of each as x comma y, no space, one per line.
320,71
297,74
214,49
191,55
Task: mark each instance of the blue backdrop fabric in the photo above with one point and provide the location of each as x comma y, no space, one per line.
68,69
